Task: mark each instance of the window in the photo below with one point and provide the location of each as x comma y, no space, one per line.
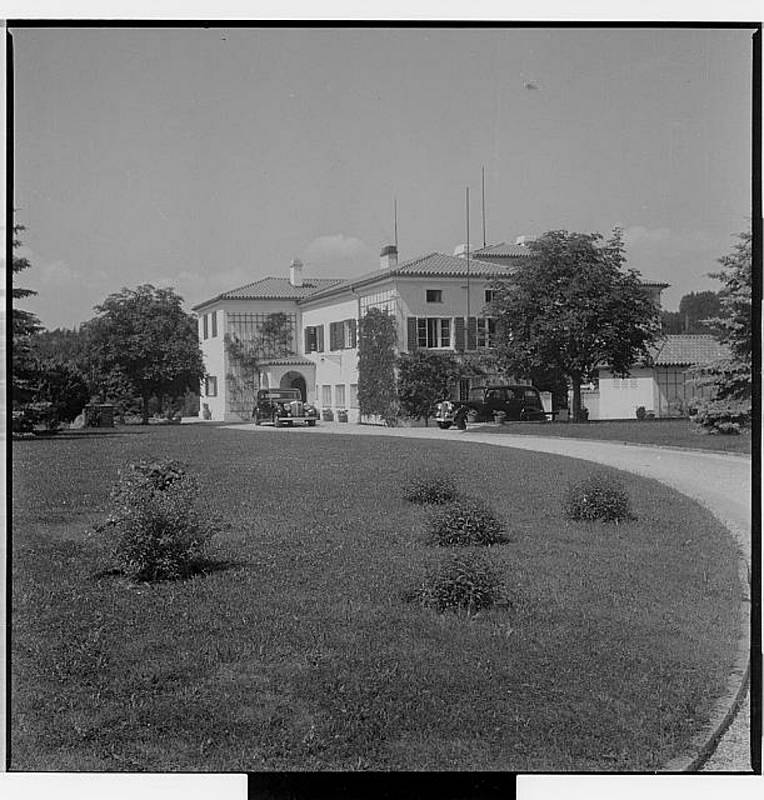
433,332
339,395
204,326
214,317
326,396
342,335
314,339
349,333
210,386
434,295
486,332
490,294
353,395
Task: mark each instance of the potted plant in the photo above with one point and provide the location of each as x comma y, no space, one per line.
342,415
327,415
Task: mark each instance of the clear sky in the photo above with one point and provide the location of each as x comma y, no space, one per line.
206,158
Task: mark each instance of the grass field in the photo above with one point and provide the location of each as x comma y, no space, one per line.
664,432
298,651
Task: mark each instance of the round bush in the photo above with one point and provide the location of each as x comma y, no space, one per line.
430,489
465,581
598,497
465,522
158,529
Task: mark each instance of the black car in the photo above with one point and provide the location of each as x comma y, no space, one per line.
283,407
516,403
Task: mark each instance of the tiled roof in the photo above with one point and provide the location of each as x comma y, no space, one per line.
273,289
683,349
297,361
450,266
502,250
432,264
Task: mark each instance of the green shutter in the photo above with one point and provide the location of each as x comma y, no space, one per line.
472,333
459,332
412,334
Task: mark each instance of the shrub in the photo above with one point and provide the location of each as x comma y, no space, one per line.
641,413
722,416
600,496
430,489
465,581
159,529
465,522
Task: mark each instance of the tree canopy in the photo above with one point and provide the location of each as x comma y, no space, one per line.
731,378
25,325
695,310
145,336
424,379
573,307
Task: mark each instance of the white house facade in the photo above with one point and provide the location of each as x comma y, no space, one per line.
436,300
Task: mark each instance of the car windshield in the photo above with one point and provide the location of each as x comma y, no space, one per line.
279,394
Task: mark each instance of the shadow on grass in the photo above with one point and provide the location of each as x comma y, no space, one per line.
200,568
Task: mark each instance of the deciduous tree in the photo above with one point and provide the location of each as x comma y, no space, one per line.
145,335
424,379
573,306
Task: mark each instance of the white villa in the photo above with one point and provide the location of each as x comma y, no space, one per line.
437,302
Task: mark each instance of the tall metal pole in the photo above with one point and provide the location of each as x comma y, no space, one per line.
395,220
482,175
467,320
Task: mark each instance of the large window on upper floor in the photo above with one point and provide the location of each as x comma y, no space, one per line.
434,332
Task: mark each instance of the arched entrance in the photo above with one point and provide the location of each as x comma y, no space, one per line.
294,380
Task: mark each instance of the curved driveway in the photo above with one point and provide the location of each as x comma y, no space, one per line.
720,482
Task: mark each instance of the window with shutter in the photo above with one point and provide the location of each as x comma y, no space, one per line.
206,329
459,333
412,333
214,316
472,333
320,338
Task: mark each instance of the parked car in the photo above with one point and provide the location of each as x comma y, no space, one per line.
516,403
283,407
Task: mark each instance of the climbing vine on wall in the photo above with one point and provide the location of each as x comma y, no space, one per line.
246,357
376,365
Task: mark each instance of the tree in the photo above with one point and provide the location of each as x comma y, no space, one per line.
695,309
64,386
145,336
26,370
731,378
573,307
424,379
376,365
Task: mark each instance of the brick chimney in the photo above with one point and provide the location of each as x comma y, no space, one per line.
388,258
295,272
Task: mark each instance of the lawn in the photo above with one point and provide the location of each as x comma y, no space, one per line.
665,432
298,649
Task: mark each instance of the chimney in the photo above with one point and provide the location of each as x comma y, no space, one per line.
295,272
461,250
388,258
523,240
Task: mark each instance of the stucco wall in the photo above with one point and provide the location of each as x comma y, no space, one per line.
213,351
620,397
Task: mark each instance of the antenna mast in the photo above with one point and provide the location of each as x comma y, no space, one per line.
482,171
467,320
395,220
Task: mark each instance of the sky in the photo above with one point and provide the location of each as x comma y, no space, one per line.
205,159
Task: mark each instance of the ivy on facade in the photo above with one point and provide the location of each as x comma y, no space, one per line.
377,393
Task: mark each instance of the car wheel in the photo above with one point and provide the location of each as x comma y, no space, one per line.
311,423
276,421
444,426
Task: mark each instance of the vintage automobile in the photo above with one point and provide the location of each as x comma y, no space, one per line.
516,403
283,407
